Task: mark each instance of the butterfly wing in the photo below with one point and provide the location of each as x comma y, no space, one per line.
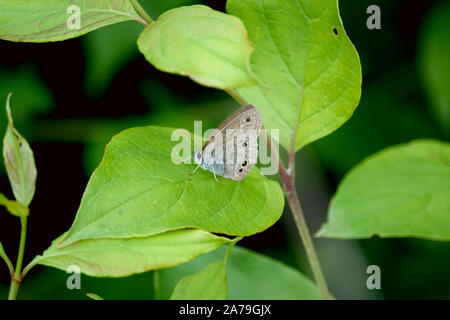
237,139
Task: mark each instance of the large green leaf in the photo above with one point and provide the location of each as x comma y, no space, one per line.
300,46
46,20
209,46
403,191
250,275
19,162
209,284
434,53
138,191
122,257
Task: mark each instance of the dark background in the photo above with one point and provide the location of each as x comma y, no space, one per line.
71,97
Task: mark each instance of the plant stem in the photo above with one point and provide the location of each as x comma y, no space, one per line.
296,209
288,177
137,6
17,278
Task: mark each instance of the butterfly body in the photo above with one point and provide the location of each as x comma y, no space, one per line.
232,149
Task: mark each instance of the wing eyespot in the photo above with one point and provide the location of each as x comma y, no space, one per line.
244,163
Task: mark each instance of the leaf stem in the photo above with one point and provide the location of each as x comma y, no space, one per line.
140,10
17,277
7,261
236,96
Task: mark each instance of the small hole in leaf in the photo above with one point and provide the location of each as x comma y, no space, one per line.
335,31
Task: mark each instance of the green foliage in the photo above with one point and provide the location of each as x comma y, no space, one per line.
403,191
138,191
210,47
31,98
3,253
19,162
250,276
208,284
14,207
110,49
122,257
294,61
46,20
286,63
434,62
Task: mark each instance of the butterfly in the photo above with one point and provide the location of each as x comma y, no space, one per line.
232,149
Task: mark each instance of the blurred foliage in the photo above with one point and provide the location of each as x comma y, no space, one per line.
250,275
175,112
49,284
31,98
434,60
389,113
401,191
109,49
404,97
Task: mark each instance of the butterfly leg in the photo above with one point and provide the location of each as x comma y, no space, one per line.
215,177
